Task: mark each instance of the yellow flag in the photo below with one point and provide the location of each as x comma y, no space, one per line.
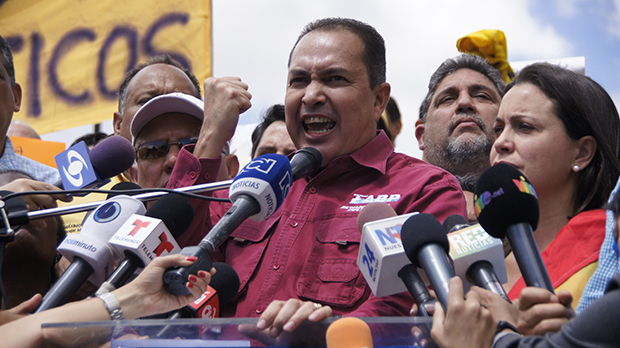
71,56
491,45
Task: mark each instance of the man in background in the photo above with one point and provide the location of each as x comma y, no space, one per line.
271,136
455,129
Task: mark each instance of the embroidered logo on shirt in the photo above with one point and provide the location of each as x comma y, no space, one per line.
360,201
367,199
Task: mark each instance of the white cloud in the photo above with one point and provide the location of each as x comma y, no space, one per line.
614,20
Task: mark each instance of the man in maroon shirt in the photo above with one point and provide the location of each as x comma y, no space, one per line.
300,263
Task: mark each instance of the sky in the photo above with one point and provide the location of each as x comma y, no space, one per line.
252,40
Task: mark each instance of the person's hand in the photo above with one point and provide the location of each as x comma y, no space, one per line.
225,99
541,312
430,306
146,295
499,307
287,315
467,323
281,318
21,310
36,202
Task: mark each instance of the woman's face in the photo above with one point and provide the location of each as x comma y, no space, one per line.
533,139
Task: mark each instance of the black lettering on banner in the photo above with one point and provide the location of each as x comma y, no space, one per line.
162,22
68,42
131,36
71,41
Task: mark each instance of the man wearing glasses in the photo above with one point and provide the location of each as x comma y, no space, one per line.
160,129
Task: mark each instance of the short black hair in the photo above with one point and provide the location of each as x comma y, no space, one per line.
91,139
275,113
374,45
7,59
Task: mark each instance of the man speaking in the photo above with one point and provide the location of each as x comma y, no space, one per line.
300,263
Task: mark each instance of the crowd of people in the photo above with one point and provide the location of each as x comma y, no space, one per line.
557,127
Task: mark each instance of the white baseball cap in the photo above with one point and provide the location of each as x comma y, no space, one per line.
163,104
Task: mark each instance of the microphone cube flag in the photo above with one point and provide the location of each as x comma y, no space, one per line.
75,168
207,305
255,178
381,255
92,250
472,244
146,237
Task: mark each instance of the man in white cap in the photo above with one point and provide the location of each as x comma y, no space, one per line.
160,129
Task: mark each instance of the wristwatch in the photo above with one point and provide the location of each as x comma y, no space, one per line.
502,325
112,305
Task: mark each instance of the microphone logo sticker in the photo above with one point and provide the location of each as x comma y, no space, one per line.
485,198
524,186
389,236
263,165
77,163
107,212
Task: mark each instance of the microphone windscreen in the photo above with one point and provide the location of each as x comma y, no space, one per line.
123,186
348,332
504,197
175,211
373,212
420,230
112,156
452,221
306,162
225,281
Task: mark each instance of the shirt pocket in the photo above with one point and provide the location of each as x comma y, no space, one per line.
245,247
331,275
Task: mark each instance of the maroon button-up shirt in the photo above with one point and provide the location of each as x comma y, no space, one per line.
308,248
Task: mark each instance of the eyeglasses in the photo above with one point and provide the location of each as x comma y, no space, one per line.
157,149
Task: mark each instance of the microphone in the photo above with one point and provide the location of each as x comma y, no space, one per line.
478,258
348,332
507,206
14,212
381,254
142,238
426,246
80,168
223,287
257,191
90,255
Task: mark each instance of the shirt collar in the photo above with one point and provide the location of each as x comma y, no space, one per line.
375,153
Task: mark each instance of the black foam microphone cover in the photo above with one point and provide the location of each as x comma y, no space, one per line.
225,281
112,156
123,186
424,229
504,197
454,223
175,211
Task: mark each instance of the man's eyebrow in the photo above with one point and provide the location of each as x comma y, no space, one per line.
321,72
478,87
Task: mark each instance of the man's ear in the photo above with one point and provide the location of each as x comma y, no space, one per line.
232,163
133,173
382,96
419,133
117,122
17,97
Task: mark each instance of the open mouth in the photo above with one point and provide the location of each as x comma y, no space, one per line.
318,124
